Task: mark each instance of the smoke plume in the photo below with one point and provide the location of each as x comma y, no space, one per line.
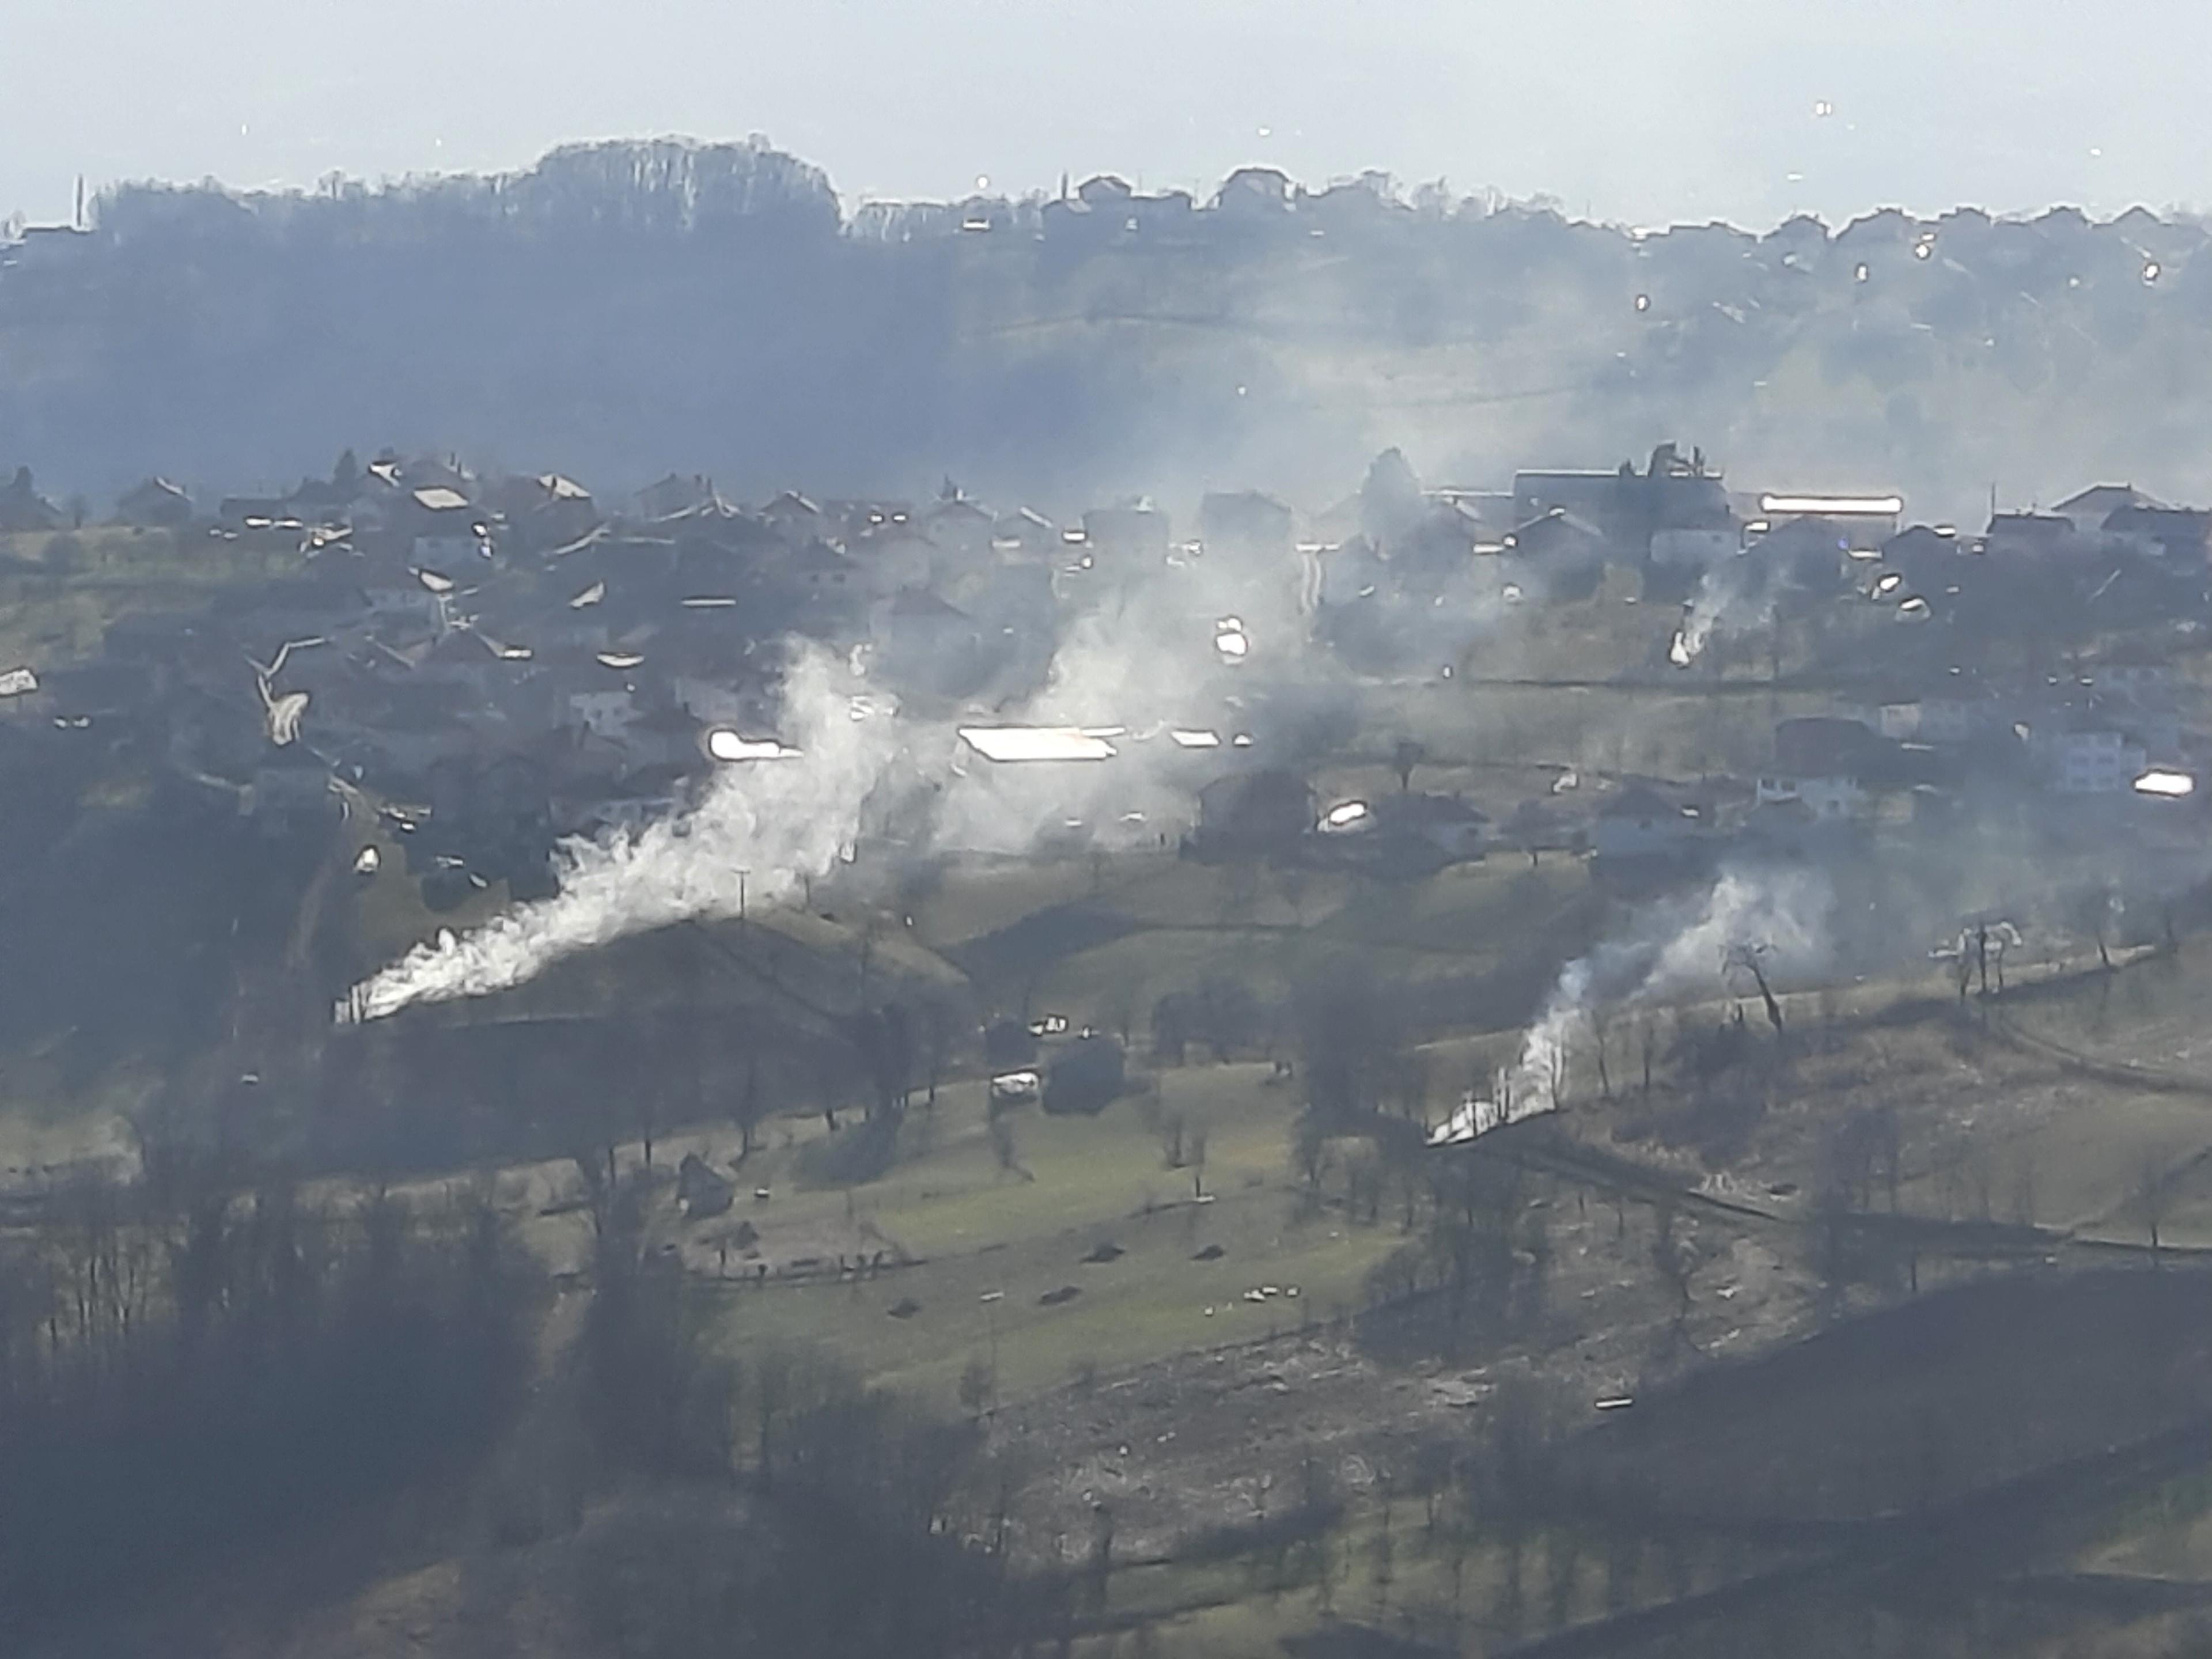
759,832
1737,594
1675,947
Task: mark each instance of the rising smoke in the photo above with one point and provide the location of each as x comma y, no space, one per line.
1737,594
1676,947
758,834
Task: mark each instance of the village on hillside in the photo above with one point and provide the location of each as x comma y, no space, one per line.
499,662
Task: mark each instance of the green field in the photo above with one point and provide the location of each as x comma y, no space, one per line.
972,1228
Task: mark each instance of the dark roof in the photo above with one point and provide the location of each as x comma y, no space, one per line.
914,602
1640,800
1822,745
1413,811
2039,526
2101,499
2162,523
1551,529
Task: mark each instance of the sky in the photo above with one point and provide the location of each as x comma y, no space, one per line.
1642,111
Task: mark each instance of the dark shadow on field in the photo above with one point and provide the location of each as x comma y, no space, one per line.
1025,949
1915,1406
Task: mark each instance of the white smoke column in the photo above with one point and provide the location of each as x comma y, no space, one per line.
779,822
1676,946
1736,593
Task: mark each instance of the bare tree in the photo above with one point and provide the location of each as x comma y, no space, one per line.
1747,959
1600,1019
1676,1260
1003,1146
1171,1129
1408,754
2151,1199
978,1387
747,1108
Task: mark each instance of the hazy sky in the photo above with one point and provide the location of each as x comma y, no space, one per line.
1639,109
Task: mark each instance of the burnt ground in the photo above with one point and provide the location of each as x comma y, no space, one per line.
1773,1354
1220,1437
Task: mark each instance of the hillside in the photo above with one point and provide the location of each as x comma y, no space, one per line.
623,308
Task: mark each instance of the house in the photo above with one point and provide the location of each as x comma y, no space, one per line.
714,702
666,738
676,495
1254,194
1245,521
1164,212
1928,557
24,696
1627,507
1563,551
1104,193
320,504
604,711
701,1190
1556,538
2085,755
396,594
1416,834
1784,826
238,513
1086,1078
1346,573
2178,533
959,526
894,557
446,531
463,659
793,517
1640,824
860,516
2088,509
1830,798
1025,533
2133,672
1129,531
543,513
2030,535
156,504
1929,720
45,246
22,509
922,643
1863,522
1591,496
1491,509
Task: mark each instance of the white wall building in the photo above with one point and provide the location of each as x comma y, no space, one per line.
1829,800
2094,762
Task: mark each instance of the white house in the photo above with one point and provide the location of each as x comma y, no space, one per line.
2090,758
605,712
1828,800
1642,823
